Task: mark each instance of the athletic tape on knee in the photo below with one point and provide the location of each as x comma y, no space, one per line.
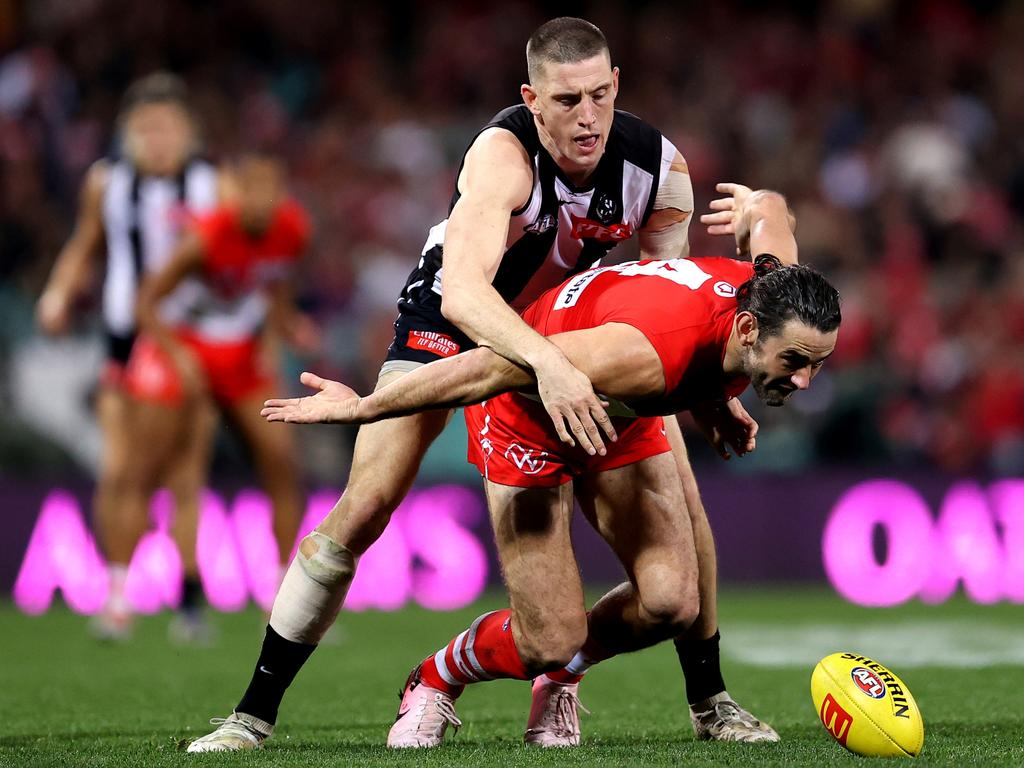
313,589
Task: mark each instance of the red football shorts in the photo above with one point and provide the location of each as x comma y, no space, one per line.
232,370
513,442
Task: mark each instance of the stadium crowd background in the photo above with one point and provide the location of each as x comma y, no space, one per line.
896,129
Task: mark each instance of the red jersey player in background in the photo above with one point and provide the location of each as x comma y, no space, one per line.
243,255
658,337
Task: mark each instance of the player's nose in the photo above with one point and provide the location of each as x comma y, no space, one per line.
801,379
587,114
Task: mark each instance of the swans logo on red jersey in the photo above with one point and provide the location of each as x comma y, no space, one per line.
725,290
868,682
525,459
586,229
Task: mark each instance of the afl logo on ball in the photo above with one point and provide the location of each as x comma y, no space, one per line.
724,289
868,682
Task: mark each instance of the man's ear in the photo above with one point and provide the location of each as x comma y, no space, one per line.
529,94
746,328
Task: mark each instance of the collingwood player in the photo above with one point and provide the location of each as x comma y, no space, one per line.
131,210
544,191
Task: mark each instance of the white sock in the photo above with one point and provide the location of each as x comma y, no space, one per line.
117,575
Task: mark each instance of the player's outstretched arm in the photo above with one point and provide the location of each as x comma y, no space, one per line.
73,267
463,379
497,178
760,220
617,357
186,259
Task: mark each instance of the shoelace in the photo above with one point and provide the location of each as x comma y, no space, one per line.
566,714
443,707
729,711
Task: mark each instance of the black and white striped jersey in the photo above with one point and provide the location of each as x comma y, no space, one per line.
561,229
142,218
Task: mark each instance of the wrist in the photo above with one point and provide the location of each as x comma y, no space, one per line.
365,410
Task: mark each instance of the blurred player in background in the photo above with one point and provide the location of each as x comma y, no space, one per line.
545,190
243,257
132,209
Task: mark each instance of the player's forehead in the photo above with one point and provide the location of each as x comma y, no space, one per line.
158,113
798,338
582,76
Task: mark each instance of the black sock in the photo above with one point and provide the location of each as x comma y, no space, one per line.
280,661
191,595
701,668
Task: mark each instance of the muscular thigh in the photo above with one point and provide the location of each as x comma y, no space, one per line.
640,510
385,461
531,529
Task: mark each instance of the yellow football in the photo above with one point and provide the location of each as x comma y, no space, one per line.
866,707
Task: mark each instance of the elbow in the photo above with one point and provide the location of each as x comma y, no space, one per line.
453,305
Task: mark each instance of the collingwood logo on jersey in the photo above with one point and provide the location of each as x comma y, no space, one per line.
606,210
543,224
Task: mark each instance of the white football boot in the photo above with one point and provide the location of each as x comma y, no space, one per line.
554,714
423,716
722,719
234,733
113,624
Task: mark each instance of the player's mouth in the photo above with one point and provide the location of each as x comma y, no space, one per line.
587,142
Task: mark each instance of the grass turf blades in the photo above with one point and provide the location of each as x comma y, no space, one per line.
68,700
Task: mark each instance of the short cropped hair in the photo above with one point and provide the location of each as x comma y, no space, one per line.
157,88
565,40
778,294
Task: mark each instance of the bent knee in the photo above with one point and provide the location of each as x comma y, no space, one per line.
670,613
545,649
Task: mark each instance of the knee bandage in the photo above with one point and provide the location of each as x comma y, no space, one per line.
313,589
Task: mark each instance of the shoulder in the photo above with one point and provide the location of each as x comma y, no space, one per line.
517,120
96,181
294,221
725,268
215,224
636,140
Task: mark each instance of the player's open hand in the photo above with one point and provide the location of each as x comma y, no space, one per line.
577,413
333,403
729,214
726,425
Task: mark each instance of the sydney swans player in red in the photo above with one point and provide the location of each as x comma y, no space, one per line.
655,337
545,190
238,261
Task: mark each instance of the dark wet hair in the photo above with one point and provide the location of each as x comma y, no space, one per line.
777,294
564,40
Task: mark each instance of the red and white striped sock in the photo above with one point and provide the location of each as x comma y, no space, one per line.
485,651
586,657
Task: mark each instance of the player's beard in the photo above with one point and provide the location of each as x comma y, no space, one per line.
772,392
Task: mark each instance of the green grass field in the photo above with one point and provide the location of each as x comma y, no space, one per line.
65,700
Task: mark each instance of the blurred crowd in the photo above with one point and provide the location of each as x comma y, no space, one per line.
896,129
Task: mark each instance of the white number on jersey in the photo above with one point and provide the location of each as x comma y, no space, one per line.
679,271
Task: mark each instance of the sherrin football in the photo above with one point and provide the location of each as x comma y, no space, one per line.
866,707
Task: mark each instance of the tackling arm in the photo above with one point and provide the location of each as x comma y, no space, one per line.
496,178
